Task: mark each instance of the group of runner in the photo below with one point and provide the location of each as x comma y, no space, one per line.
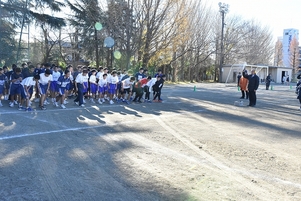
49,82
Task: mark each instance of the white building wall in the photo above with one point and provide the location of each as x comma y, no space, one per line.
288,35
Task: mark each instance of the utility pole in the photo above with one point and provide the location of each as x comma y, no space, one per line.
223,9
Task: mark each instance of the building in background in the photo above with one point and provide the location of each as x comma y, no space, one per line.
288,35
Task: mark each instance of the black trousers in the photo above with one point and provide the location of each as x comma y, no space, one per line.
80,94
243,94
157,95
147,93
252,97
267,85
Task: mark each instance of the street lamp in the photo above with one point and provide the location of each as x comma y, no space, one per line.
223,9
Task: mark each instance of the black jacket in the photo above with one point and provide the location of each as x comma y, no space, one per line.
253,82
158,85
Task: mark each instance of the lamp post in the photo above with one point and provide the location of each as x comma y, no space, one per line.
223,9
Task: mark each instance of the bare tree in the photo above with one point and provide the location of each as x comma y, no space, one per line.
294,55
278,58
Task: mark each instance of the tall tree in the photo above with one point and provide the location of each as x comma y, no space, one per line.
22,13
278,58
86,13
294,56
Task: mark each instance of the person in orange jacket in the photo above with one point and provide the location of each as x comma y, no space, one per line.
243,83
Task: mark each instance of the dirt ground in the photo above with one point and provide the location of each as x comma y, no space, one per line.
196,145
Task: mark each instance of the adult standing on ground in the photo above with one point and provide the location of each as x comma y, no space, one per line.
287,80
252,87
243,84
298,89
238,78
79,87
283,79
268,82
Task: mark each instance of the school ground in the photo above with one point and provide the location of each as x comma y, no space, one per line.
196,145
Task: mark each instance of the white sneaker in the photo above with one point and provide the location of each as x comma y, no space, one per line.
65,102
46,102
99,101
36,100
111,102
103,100
82,105
77,103
56,104
11,104
15,102
63,106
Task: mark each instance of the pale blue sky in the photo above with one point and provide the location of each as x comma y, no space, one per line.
277,14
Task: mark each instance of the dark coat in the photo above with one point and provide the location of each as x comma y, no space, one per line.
268,79
158,85
253,82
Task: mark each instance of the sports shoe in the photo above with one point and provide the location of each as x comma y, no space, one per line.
21,108
103,100
63,106
46,102
300,108
1,104
28,109
11,104
111,102
149,101
77,103
99,101
82,105
16,102
43,107
65,102
36,100
92,100
56,104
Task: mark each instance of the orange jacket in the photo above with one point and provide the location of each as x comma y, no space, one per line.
243,83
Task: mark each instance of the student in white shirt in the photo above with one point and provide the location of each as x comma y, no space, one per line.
112,85
93,85
102,88
53,86
44,85
126,88
80,87
26,84
99,74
